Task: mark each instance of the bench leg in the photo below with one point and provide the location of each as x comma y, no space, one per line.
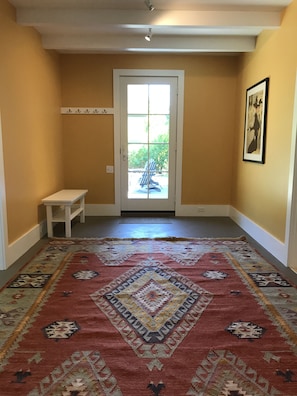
82,207
67,221
49,221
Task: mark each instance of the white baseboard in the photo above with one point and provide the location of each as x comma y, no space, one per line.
20,246
274,246
180,210
202,210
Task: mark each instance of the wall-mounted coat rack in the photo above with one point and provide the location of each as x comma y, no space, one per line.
87,110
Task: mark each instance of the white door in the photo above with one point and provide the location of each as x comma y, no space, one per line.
148,143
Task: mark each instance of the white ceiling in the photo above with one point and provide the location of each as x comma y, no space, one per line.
178,26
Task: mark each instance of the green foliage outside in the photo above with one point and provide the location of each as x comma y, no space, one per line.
158,150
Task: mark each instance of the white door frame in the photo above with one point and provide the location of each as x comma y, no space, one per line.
117,74
149,200
3,216
291,223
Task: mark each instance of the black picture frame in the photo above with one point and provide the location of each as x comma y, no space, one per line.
255,122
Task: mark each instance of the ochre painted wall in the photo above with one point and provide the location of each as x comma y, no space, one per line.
209,108
30,101
88,148
260,192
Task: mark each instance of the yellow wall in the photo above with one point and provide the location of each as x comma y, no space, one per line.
260,191
30,101
210,98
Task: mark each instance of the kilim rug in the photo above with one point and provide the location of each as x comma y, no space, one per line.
143,317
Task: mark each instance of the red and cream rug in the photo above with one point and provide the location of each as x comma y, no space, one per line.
141,317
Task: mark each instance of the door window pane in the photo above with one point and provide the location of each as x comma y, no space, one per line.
159,99
159,128
137,128
137,98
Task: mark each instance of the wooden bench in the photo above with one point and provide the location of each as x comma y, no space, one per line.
63,206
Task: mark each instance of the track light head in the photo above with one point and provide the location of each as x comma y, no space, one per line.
149,5
148,37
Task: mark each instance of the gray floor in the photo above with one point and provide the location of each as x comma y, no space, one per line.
153,227
147,226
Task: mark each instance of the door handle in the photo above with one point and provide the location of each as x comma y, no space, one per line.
124,155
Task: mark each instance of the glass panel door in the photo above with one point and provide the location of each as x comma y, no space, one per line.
148,143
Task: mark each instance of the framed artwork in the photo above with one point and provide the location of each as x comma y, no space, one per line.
255,122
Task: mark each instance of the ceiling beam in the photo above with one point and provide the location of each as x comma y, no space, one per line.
130,18
173,44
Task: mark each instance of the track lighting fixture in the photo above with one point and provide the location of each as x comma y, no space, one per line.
149,5
149,35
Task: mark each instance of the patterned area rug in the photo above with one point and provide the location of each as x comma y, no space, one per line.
141,317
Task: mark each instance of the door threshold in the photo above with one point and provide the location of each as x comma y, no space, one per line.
147,213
